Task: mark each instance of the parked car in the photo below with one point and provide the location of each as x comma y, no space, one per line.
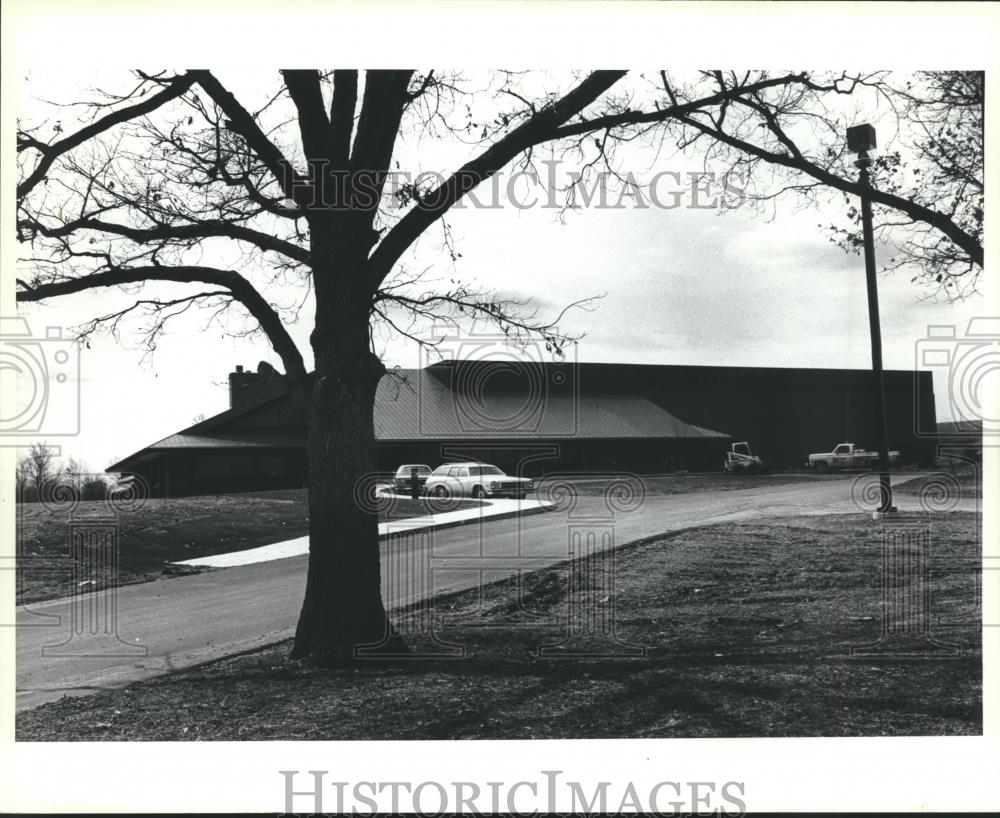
848,456
401,481
475,480
739,459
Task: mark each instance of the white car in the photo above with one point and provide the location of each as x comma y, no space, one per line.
475,480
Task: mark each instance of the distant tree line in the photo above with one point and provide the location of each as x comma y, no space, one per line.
39,474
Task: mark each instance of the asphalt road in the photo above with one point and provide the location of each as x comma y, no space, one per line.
134,632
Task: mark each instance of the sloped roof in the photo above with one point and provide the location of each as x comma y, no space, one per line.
222,441
204,434
427,404
417,404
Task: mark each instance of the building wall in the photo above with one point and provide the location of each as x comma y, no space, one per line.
183,473
532,459
787,413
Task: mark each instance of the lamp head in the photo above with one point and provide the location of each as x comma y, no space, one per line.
861,139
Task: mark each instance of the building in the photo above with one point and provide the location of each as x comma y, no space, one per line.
960,440
786,413
537,418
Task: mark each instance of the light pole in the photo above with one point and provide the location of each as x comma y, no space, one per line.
860,140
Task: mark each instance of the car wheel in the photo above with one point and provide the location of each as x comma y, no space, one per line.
440,491
478,492
822,467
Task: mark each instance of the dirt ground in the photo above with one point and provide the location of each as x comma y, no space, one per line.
965,481
160,532
753,629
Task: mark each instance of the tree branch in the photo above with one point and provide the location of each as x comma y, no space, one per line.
304,88
673,111
541,127
345,100
196,230
382,109
241,122
175,88
916,211
242,290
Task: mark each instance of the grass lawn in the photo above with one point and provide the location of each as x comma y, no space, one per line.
161,532
747,629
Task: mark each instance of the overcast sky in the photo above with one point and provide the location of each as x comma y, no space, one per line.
681,286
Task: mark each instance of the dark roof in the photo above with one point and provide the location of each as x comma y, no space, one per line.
222,441
440,403
201,435
420,404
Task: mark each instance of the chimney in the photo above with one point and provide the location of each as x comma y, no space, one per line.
247,387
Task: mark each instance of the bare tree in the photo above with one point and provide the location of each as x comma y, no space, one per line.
85,484
36,471
22,478
74,472
943,163
176,170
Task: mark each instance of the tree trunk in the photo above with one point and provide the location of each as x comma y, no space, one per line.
343,618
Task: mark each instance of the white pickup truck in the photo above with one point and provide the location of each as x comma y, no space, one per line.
847,456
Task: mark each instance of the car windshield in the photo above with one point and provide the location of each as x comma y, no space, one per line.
484,471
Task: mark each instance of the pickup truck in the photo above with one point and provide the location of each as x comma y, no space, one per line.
848,456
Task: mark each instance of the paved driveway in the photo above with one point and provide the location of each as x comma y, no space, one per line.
63,647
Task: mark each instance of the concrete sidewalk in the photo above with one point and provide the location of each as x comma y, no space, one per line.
492,510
